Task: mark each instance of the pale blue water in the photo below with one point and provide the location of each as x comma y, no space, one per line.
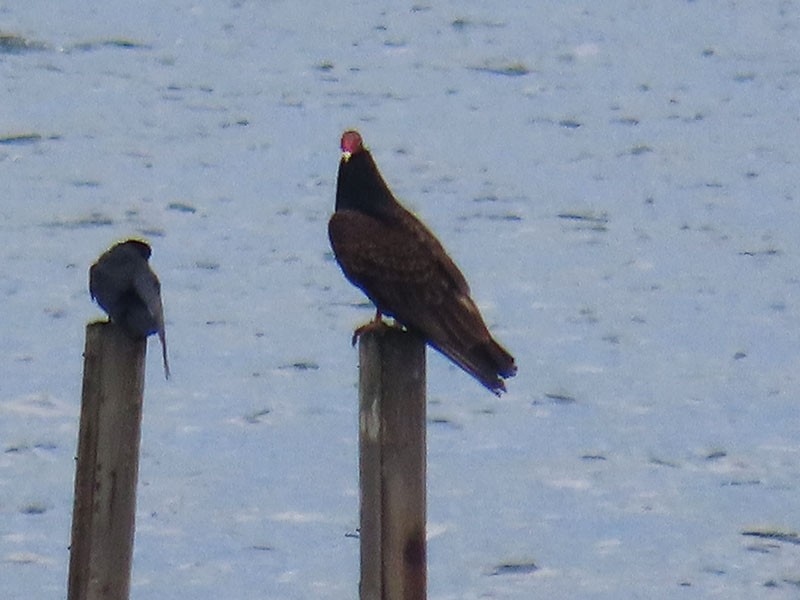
619,185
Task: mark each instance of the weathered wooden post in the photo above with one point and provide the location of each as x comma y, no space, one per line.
392,463
107,465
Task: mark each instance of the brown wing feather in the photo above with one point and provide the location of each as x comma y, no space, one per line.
406,272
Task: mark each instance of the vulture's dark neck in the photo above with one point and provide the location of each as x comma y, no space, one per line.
360,187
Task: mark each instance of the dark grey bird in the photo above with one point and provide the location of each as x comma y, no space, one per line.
389,254
124,285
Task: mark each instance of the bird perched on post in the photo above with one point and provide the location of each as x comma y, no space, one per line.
389,254
124,285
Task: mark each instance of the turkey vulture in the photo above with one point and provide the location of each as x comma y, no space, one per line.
388,253
124,285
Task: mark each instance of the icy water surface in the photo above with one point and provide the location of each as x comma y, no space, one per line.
619,185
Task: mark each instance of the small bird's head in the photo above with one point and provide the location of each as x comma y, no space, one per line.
351,144
138,246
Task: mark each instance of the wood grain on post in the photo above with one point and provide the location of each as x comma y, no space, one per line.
107,465
392,465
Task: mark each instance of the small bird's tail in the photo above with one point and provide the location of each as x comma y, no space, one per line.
162,336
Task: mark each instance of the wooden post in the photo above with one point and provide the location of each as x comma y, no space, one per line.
107,465
392,465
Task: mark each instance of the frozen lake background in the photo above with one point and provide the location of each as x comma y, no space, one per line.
619,185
